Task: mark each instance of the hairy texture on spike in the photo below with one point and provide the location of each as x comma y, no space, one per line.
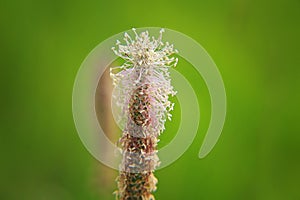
139,106
136,186
142,88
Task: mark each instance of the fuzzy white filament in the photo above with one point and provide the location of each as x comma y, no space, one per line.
147,61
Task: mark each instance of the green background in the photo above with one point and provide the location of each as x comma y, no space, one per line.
255,45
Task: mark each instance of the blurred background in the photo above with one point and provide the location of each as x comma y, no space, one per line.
255,45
